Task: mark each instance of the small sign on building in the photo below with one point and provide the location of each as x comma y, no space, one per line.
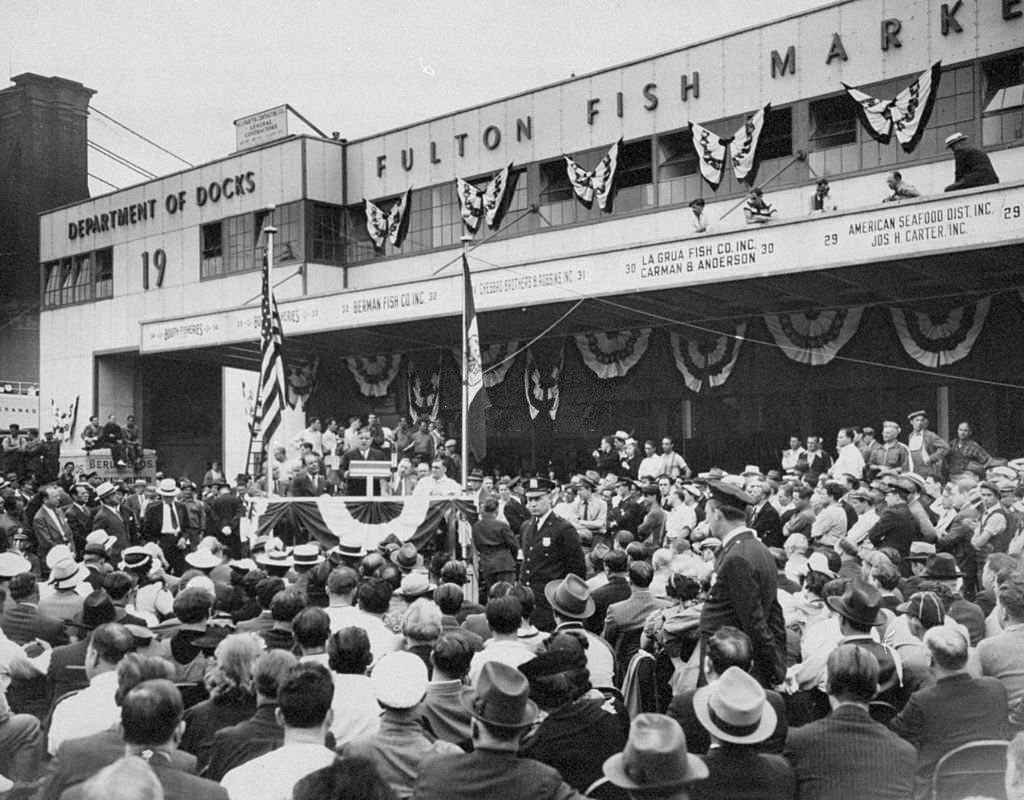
266,126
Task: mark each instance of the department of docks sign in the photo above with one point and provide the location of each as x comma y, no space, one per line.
969,220
266,126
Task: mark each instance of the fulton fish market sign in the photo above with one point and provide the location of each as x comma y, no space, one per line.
133,213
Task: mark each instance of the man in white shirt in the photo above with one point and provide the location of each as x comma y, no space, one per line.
341,593
849,460
304,710
651,465
672,464
830,524
863,503
374,603
504,615
93,709
792,456
590,512
437,483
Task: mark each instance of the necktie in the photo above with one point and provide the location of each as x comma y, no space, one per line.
583,510
174,519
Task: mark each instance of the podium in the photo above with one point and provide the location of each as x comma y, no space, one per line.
372,471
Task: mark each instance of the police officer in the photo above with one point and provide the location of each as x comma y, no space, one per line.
551,548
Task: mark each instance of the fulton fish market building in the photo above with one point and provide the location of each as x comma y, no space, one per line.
729,339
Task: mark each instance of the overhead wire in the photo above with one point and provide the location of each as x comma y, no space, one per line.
122,160
141,136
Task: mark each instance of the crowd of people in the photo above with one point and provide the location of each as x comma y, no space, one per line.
829,626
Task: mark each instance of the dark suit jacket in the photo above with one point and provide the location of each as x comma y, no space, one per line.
896,527
768,525
653,525
49,534
516,515
63,676
849,756
80,522
737,772
744,595
224,510
177,785
303,485
110,520
698,740
79,759
357,486
616,590
22,623
153,520
952,712
486,773
629,614
243,742
496,546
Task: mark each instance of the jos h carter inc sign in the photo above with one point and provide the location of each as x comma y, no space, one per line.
133,213
257,129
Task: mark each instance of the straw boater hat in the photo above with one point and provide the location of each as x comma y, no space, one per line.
735,709
135,558
346,550
953,138
67,574
99,543
105,489
306,555
167,488
202,559
655,757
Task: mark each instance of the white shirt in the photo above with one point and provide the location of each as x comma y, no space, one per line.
382,639
848,461
672,464
650,467
859,532
678,519
90,711
506,651
274,775
356,712
170,518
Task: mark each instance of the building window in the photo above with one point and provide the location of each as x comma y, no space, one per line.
634,182
1002,118
81,278
678,177
211,250
833,122
328,235
104,266
777,136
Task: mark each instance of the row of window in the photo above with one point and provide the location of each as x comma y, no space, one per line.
236,244
79,279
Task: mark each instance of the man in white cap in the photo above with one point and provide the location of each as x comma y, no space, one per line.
973,167
164,523
108,517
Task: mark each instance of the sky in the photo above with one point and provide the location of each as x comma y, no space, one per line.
181,72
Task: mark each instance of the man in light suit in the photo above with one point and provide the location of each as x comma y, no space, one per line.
551,548
847,754
744,586
22,622
631,614
50,525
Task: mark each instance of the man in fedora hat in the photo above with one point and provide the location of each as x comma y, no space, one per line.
735,712
502,712
551,548
744,585
67,662
165,522
655,764
572,605
972,166
108,517
50,525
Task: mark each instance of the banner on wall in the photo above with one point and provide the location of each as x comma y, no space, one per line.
814,338
541,382
612,355
19,409
497,362
707,363
374,374
940,340
424,388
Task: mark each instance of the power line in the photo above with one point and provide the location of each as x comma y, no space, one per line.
144,138
102,180
145,173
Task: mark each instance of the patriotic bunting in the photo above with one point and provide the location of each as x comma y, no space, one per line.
424,390
541,383
487,203
495,365
374,374
940,340
814,338
392,225
273,391
906,115
612,355
598,182
706,364
64,419
742,146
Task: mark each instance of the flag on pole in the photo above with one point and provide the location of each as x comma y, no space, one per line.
272,384
476,395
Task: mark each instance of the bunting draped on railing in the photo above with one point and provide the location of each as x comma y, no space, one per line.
303,375
940,340
710,149
541,381
391,225
598,182
906,115
495,366
612,355
487,203
707,363
374,374
424,388
814,337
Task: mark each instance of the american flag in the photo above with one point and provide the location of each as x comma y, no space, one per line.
272,385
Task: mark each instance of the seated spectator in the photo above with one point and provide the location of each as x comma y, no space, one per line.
94,709
655,763
727,648
571,605
128,778
261,733
442,710
284,608
972,166
21,737
615,589
502,713
821,200
232,698
401,745
737,716
958,709
900,189
304,710
1002,656
504,617
629,615
847,754
420,629
345,779
579,731
266,589
356,712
